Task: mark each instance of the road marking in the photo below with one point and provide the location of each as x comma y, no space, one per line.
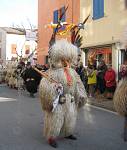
103,109
5,99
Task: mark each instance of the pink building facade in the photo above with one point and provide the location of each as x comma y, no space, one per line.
46,10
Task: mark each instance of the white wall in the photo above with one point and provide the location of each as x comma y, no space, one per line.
14,39
20,41
107,29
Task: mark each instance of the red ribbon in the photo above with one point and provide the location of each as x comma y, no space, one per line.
68,76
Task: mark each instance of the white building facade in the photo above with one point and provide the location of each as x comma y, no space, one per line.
13,43
104,29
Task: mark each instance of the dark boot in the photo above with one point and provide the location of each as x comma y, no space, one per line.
32,95
71,137
52,142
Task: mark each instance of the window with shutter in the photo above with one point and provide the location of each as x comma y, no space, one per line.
57,14
98,9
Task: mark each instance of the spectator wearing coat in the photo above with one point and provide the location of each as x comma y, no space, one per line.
102,67
110,79
92,80
31,79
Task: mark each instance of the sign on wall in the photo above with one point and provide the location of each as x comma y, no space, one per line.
31,35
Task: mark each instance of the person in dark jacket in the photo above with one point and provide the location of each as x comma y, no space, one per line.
83,75
101,85
31,79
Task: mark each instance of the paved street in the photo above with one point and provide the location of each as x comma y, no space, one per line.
21,122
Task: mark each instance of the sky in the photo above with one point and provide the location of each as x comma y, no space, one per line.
18,12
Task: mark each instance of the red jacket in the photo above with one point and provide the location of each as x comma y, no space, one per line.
110,78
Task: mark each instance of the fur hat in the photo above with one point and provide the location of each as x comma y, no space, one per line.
63,50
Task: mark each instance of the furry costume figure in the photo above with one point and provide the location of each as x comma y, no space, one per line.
12,80
61,118
120,96
4,74
18,76
120,102
1,73
9,78
8,73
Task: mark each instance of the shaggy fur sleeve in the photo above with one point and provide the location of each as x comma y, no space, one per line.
47,93
80,92
120,98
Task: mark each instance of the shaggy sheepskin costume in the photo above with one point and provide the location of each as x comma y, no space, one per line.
2,75
12,82
120,102
60,119
120,96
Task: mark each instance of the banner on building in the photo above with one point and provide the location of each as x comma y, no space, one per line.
31,35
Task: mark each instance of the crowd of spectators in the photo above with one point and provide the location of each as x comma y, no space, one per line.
100,79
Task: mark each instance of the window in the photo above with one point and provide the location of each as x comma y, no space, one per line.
60,12
57,14
13,48
98,9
